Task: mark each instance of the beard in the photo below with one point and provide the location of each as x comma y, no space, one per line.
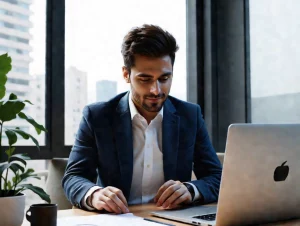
153,107
150,107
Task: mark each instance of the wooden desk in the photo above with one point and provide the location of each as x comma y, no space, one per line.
138,210
143,211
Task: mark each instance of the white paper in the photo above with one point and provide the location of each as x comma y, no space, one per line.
104,219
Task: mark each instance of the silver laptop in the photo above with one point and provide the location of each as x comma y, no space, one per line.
260,180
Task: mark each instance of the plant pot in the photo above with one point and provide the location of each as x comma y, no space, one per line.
12,210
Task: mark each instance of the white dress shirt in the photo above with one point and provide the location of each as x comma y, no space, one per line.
148,173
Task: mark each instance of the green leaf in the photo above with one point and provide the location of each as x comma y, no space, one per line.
13,96
37,126
14,180
10,109
20,158
27,101
8,186
30,170
35,141
2,91
3,167
27,136
5,67
21,133
28,173
10,151
12,137
17,191
3,80
15,167
5,63
39,191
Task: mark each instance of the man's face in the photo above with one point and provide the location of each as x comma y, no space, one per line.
150,80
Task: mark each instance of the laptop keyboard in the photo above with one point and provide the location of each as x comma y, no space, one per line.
207,217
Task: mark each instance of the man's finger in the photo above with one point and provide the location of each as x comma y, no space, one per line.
114,197
167,193
170,207
120,195
176,194
162,189
182,199
111,204
100,205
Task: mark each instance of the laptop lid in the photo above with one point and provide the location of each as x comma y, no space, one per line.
260,178
261,174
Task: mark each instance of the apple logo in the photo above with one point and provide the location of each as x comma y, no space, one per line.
281,172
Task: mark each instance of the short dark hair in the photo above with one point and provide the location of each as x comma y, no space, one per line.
148,40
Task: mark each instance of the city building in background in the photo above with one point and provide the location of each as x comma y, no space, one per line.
14,40
105,90
75,100
37,110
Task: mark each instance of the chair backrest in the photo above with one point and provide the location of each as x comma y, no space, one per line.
221,158
56,171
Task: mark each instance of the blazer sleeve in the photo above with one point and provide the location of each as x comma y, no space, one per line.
207,166
82,163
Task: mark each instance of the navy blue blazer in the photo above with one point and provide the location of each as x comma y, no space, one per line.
103,149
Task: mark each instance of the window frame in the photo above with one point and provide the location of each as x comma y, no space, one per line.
221,60
227,93
54,93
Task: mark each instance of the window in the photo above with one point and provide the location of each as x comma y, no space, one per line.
11,1
13,50
19,3
94,56
14,14
275,56
27,50
14,38
18,93
18,81
27,77
66,95
13,26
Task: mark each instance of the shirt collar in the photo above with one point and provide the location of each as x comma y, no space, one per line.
134,111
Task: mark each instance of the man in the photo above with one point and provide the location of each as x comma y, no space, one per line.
142,145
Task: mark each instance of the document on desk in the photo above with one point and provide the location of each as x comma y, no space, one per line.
105,219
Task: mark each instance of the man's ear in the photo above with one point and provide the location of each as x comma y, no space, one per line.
126,74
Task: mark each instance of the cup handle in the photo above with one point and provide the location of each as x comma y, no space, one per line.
28,217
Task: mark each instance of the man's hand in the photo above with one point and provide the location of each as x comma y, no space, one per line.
171,194
111,199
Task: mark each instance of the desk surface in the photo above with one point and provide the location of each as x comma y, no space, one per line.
144,211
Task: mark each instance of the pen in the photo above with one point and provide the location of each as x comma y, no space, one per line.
147,219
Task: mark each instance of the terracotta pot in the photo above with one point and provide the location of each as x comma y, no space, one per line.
12,210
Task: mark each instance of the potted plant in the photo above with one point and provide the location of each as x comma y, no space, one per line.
12,201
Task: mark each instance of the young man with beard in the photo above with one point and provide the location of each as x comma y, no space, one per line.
141,146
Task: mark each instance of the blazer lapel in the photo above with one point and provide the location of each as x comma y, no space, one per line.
123,136
170,137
